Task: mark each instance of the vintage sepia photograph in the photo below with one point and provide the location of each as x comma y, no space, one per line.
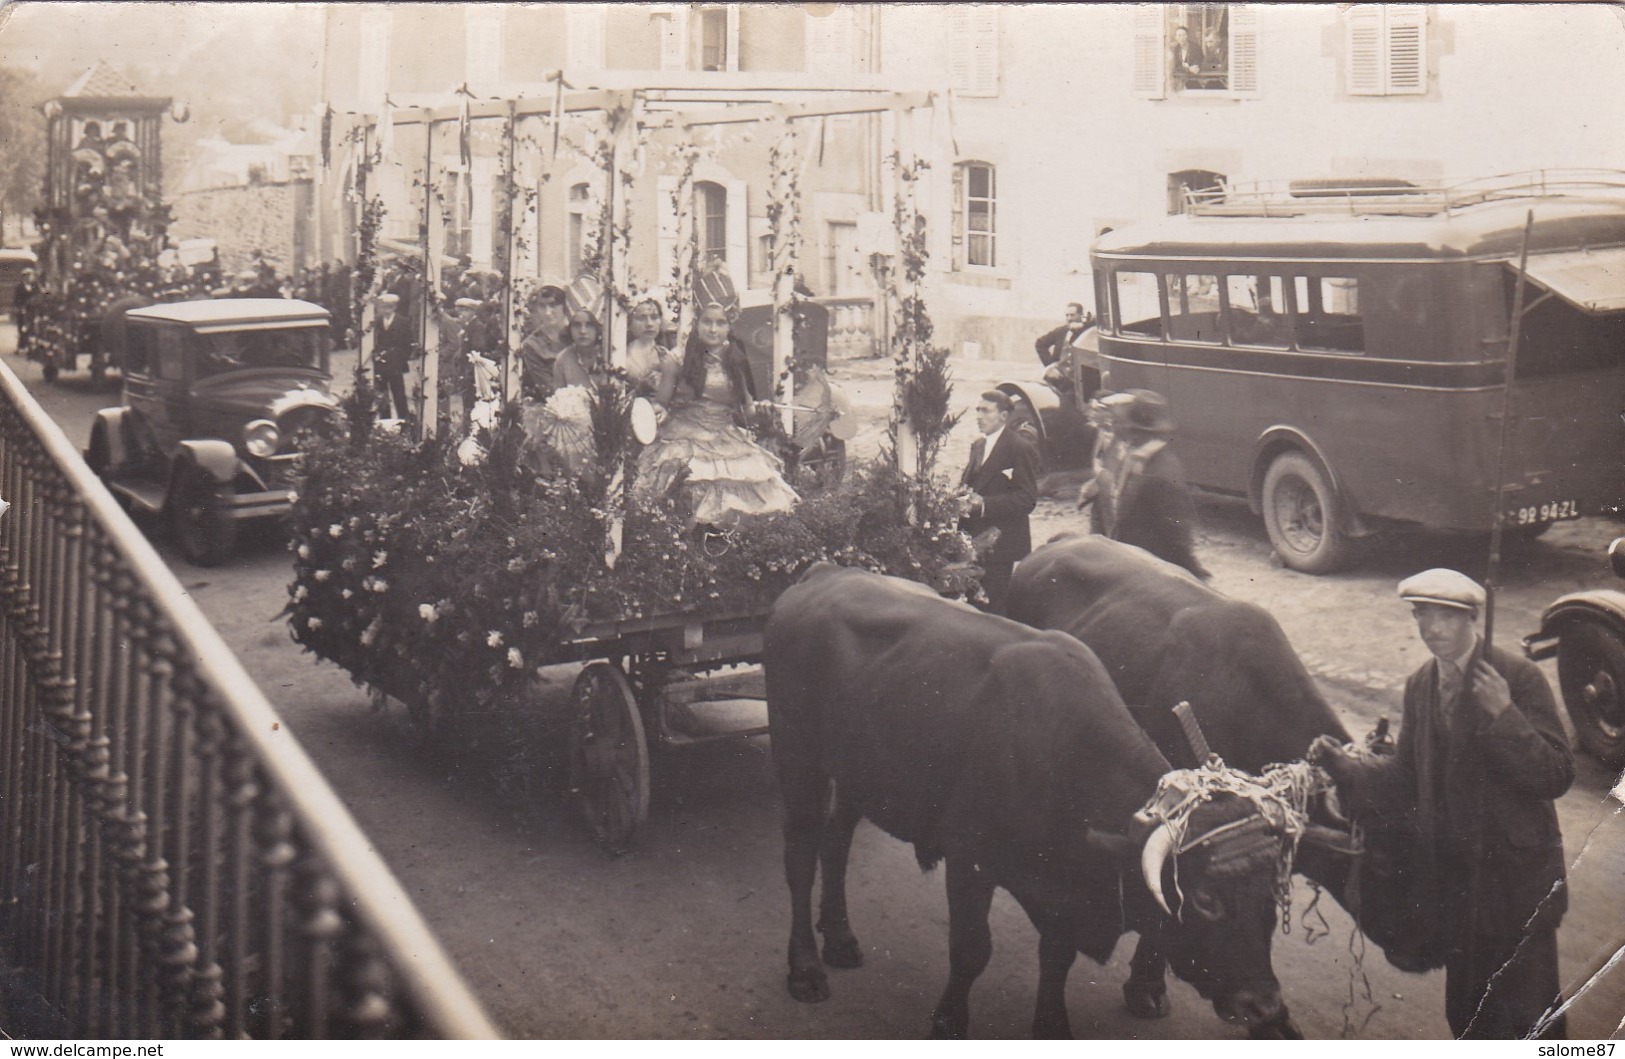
802,521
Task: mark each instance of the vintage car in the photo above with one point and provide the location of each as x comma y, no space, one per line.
1586,631
217,395
1055,412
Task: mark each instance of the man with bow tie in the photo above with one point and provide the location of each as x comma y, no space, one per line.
1001,483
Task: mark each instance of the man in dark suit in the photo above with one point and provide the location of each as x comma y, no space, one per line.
1056,348
393,342
1002,488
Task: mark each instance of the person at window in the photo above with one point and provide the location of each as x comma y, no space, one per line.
1001,489
1150,506
651,367
703,443
1482,756
549,336
1185,60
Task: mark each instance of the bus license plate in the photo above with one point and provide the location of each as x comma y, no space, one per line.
1534,514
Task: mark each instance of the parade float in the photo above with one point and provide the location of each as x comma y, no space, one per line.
443,560
104,223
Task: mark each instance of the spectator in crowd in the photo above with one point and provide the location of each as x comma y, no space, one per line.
547,337
1149,504
1001,490
394,343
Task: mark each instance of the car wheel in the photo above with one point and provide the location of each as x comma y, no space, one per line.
1591,671
1301,515
204,532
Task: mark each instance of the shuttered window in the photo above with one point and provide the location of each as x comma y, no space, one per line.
1182,49
482,44
673,19
973,49
832,41
584,36
1385,49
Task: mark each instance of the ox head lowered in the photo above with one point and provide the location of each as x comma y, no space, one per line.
1217,858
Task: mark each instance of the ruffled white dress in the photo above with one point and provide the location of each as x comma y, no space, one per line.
728,473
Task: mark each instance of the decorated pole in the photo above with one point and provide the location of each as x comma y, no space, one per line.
784,216
510,358
622,145
434,241
365,255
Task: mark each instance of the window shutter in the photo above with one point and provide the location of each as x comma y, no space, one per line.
482,38
584,42
1407,49
733,38
674,39
958,218
831,41
1243,50
738,243
1150,52
1364,40
973,49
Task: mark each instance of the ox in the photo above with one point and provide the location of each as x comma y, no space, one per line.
1007,753
1166,637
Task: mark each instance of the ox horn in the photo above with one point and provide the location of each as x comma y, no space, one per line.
1157,850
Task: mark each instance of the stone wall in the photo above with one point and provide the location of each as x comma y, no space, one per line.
273,219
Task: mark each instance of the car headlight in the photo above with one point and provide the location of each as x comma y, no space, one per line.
260,438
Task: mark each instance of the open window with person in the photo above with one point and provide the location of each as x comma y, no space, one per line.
1186,48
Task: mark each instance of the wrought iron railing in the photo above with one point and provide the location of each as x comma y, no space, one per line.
172,864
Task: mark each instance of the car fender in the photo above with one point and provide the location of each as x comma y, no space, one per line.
111,428
1604,605
214,456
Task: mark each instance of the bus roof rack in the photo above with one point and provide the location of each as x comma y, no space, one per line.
1393,196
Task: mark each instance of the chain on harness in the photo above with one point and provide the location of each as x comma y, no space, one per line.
1280,799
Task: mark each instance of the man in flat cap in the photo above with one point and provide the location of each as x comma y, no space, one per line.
394,344
1481,757
1143,499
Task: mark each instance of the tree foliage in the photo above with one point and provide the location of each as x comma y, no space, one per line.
22,131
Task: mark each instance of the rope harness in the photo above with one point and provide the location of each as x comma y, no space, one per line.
1280,799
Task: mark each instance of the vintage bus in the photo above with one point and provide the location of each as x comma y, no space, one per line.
1338,355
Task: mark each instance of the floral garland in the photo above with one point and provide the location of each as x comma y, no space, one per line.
444,571
784,226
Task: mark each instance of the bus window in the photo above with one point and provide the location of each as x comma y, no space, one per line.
1139,310
1329,314
1258,311
1193,308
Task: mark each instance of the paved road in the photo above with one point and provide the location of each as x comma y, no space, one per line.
685,936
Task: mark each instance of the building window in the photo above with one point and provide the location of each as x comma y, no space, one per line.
1385,49
372,70
584,36
482,43
831,40
698,37
973,49
1192,185
580,218
1182,49
711,221
978,213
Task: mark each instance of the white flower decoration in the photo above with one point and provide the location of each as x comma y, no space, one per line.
304,551
484,414
335,530
427,612
323,575
313,623
379,558
515,659
470,453
300,593
493,639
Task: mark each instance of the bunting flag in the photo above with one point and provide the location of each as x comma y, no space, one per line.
327,136
465,149
558,112
345,184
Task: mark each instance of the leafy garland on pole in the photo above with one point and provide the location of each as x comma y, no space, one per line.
923,392
784,224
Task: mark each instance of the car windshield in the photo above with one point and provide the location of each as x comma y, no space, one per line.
236,350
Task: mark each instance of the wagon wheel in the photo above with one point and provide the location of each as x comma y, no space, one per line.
609,758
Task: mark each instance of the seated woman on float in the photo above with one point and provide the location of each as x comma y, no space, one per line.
703,442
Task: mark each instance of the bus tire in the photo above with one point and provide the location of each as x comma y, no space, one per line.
1301,515
1591,671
